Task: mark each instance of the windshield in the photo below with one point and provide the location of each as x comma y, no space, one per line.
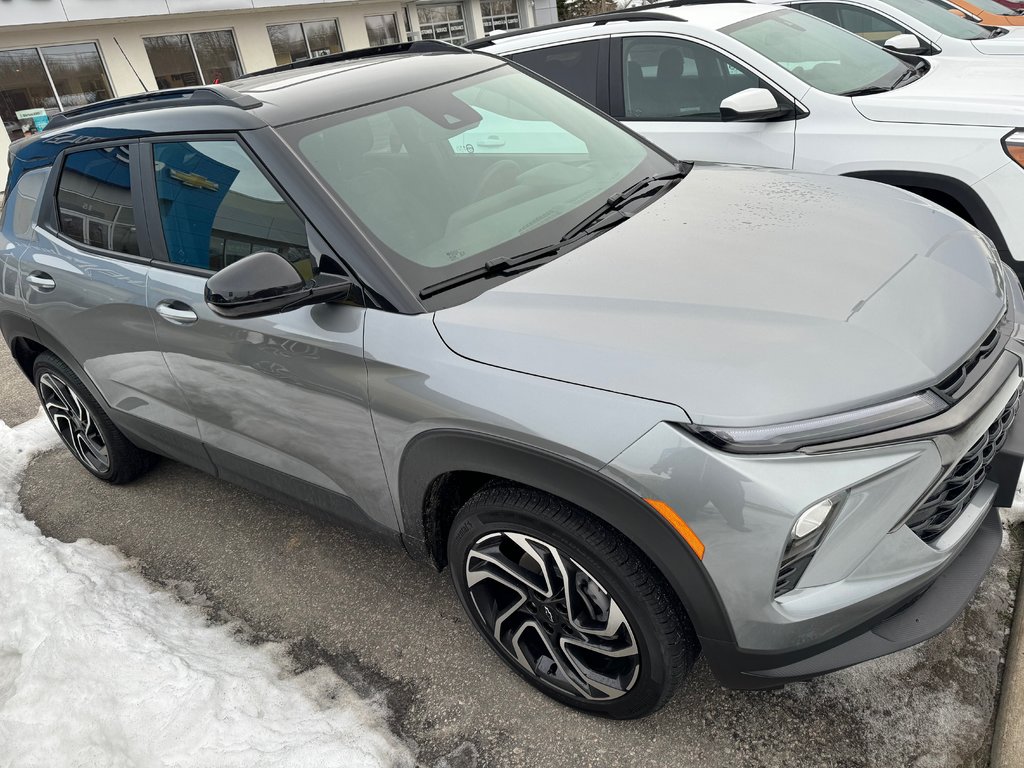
822,55
940,19
485,167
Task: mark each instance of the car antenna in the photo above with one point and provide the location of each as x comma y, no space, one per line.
144,88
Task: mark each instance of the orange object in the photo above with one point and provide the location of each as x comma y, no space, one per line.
1016,151
680,526
987,12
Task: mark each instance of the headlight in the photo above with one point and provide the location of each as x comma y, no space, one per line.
791,435
1013,145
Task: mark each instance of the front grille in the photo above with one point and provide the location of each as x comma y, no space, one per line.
949,499
951,387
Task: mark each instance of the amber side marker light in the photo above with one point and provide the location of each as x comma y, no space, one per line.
680,526
1015,148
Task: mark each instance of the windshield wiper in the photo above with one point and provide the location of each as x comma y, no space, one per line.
580,232
616,202
867,91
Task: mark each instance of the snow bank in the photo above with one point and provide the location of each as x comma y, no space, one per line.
99,667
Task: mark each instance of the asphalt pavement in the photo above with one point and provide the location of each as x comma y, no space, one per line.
395,630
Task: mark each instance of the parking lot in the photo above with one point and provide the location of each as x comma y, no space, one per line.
395,630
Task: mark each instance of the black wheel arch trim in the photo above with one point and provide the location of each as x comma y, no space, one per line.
960,191
432,454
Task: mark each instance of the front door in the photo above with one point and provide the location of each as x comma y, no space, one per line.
281,401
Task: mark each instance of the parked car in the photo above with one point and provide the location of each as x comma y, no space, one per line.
988,12
755,84
937,32
640,408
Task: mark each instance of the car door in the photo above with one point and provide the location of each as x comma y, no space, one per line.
83,273
281,401
670,89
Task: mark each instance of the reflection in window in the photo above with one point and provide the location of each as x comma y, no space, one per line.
442,22
199,58
311,39
382,29
27,98
499,15
216,207
94,200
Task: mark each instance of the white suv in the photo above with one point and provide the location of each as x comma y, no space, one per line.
934,29
761,85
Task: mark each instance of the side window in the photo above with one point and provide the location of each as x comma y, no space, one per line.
217,206
94,200
868,24
22,209
572,66
669,79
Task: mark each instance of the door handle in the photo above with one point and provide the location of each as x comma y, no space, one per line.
176,312
41,281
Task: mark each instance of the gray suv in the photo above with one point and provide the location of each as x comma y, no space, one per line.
640,408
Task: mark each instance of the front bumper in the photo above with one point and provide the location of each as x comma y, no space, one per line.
874,586
925,615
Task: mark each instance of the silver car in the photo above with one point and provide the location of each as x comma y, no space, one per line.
640,408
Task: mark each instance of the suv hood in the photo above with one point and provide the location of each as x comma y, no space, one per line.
954,92
749,297
1012,43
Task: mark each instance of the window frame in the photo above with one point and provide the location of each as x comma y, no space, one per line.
445,4
384,14
46,69
49,211
618,93
192,47
152,201
305,37
518,14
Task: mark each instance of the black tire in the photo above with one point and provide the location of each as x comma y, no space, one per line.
599,565
84,426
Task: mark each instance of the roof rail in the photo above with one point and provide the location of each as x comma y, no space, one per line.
173,97
636,13
415,46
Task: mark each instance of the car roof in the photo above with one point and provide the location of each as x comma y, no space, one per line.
276,97
699,13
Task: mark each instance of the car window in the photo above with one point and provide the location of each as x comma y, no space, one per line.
433,212
939,18
22,209
94,200
572,66
822,55
217,206
868,24
669,79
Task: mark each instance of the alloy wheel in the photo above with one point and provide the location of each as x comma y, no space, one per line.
552,617
74,422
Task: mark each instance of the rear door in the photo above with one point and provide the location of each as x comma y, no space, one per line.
83,275
670,90
281,400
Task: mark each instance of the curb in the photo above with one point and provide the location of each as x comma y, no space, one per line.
1008,737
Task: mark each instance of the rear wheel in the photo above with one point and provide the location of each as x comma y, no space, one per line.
82,424
568,603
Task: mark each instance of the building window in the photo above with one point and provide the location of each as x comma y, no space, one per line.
499,15
308,40
198,58
382,29
36,83
442,22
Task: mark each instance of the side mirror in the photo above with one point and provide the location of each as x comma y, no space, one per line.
752,104
905,43
265,283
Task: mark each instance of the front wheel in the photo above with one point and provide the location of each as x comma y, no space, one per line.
568,603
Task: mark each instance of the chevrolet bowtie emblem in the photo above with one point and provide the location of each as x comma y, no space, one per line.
194,180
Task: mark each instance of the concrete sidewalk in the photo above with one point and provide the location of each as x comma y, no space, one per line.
1008,738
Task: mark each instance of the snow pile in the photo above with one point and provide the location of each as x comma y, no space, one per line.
98,667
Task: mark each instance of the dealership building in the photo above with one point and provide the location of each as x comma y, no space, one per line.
60,54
